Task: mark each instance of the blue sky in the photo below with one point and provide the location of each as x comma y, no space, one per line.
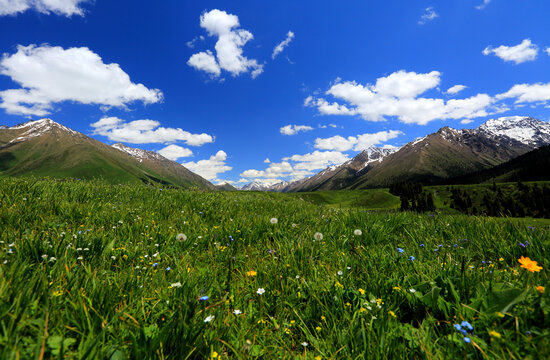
201,82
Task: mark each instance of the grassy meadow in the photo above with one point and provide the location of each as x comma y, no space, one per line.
90,270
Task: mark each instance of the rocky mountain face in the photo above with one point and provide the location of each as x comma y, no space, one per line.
47,148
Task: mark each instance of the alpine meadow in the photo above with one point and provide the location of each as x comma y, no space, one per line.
285,180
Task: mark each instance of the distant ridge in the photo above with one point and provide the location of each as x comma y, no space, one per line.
47,148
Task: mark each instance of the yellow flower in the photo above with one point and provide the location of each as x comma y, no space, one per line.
494,334
318,328
392,313
379,301
214,355
499,314
502,259
57,293
251,273
299,294
287,331
529,264
347,304
323,318
318,357
397,288
292,322
338,285
361,291
362,310
540,289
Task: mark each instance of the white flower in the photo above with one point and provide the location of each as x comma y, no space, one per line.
304,344
357,232
86,249
294,225
52,259
340,273
176,285
209,318
297,276
318,236
412,290
79,258
181,237
113,257
237,312
260,291
44,256
274,221
79,249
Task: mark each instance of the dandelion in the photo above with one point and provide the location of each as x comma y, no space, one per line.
260,291
237,312
494,334
209,318
181,237
529,264
361,291
175,285
251,273
318,236
274,221
540,289
357,232
318,328
214,354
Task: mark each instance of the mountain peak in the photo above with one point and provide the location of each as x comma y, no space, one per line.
524,129
138,153
35,128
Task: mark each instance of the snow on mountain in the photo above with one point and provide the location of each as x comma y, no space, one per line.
38,128
526,130
138,153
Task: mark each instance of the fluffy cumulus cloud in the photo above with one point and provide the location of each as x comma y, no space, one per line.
526,51
455,89
294,129
229,46
209,169
175,152
527,93
547,50
282,45
49,75
59,7
398,95
428,15
146,132
357,143
296,166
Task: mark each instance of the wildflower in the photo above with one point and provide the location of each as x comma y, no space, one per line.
529,264
318,328
379,301
52,259
209,318
412,290
357,232
501,259
400,250
168,268
79,258
392,313
323,318
318,357
155,265
362,310
181,237
467,340
467,325
494,334
540,289
421,245
338,285
361,291
176,285
274,221
305,344
287,331
411,258
260,291
318,236
397,288
294,225
204,298
57,293
251,273
237,312
340,273
44,256
458,327
113,257
499,314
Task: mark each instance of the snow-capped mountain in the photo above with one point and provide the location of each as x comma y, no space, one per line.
139,153
526,130
31,129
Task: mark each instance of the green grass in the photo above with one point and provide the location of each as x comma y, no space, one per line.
371,199
346,296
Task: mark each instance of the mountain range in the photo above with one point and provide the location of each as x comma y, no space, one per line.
46,148
433,159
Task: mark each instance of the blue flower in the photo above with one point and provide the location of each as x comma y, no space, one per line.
458,327
155,264
411,258
421,245
467,340
204,298
400,250
467,325
168,268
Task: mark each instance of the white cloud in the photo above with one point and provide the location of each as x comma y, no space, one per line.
357,143
209,169
526,51
455,89
294,129
191,43
281,46
229,52
267,161
59,7
429,15
146,132
526,93
205,61
174,152
482,6
49,75
466,121
547,50
397,95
